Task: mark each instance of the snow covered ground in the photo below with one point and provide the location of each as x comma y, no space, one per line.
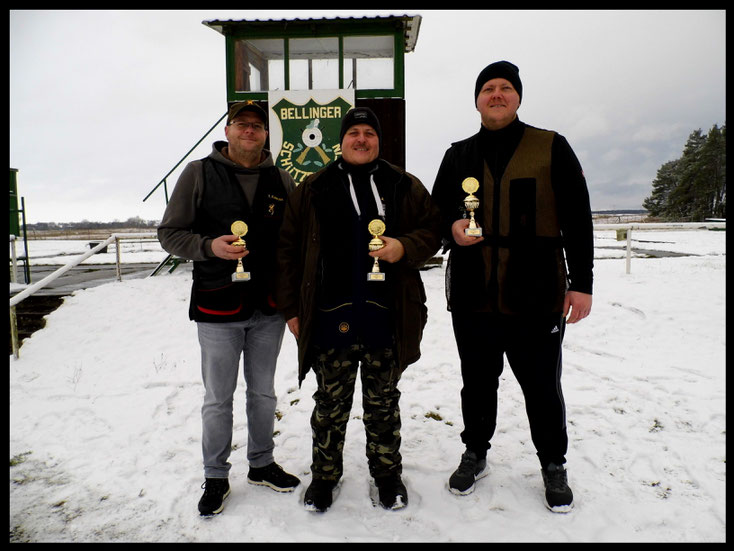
105,421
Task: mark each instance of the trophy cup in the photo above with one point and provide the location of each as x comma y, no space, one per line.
239,229
376,227
471,202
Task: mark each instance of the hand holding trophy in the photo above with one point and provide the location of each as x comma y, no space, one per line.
239,229
471,202
376,228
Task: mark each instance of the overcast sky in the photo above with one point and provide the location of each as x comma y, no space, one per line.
104,103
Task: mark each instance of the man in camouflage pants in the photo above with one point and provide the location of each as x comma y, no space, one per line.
343,318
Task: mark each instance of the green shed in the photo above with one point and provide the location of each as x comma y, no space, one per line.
364,56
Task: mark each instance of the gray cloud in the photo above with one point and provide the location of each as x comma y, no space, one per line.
104,103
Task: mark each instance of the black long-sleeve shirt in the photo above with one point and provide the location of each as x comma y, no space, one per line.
569,186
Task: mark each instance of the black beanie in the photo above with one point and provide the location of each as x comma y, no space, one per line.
360,115
499,69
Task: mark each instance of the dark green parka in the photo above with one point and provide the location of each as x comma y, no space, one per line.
416,225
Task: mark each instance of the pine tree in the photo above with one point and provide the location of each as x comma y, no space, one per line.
681,200
711,193
663,184
694,186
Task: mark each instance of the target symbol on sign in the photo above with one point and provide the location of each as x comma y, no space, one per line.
312,140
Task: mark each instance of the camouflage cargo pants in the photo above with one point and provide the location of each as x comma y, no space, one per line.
336,373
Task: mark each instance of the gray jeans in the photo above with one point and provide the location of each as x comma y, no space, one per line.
258,340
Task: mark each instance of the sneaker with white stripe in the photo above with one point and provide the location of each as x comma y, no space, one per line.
471,468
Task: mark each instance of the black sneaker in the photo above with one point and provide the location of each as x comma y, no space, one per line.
558,496
272,476
319,495
471,468
392,492
216,491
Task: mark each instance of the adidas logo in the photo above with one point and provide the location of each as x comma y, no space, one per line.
555,330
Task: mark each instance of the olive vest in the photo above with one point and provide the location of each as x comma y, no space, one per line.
522,254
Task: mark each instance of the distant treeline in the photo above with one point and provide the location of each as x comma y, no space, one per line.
135,222
693,187
619,211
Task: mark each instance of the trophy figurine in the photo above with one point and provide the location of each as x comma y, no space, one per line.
376,228
471,202
239,229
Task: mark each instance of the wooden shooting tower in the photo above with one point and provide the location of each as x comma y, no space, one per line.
365,54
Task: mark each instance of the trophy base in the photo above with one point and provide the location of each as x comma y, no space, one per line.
376,276
241,276
473,232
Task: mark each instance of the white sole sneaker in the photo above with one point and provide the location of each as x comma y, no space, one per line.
219,509
271,486
560,508
481,474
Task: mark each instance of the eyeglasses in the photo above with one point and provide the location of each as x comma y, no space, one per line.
256,126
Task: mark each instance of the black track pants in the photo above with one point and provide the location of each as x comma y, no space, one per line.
533,350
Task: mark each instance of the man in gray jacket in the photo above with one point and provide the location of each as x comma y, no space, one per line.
235,194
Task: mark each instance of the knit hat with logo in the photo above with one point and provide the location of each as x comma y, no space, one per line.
360,115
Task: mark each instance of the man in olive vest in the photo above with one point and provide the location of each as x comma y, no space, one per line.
516,218
225,214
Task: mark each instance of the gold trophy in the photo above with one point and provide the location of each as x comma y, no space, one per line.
471,202
239,228
376,227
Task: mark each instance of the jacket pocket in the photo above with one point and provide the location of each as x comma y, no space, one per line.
334,327
218,303
377,325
